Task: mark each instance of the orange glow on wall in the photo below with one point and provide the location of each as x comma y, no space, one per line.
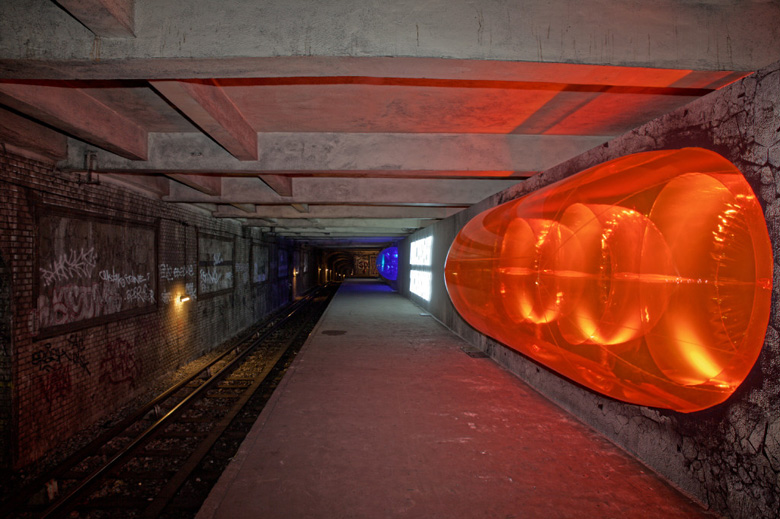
647,278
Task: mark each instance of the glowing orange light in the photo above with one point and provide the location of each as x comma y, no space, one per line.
647,278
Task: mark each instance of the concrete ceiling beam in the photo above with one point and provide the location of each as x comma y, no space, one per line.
348,191
341,211
354,223
338,233
25,134
159,187
357,231
374,242
283,186
363,153
206,105
75,112
662,33
105,18
245,208
436,69
206,184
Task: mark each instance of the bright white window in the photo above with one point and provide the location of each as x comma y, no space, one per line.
421,252
420,283
420,256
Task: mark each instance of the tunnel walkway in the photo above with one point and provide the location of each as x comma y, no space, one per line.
384,415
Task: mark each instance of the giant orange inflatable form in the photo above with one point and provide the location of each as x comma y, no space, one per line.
647,278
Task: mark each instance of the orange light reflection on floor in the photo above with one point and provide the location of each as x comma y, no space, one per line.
647,278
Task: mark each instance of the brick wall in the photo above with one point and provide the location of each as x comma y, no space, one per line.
62,381
727,457
6,422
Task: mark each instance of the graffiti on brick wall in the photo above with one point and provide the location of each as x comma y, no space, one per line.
74,303
48,357
54,364
90,268
120,363
173,273
171,276
69,265
56,384
259,263
210,277
60,366
215,264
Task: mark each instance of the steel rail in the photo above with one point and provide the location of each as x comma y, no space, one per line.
66,503
168,492
29,489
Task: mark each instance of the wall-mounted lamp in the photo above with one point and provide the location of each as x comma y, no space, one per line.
184,299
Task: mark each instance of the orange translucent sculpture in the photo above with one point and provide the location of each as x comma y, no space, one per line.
647,278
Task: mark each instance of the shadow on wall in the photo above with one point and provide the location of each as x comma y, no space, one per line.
5,372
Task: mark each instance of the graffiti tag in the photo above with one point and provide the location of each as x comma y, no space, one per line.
124,280
71,265
49,357
119,365
73,303
170,273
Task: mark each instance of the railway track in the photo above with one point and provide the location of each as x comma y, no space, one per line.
162,460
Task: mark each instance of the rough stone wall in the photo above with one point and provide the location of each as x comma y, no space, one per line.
62,383
727,457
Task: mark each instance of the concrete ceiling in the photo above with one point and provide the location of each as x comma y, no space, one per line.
352,123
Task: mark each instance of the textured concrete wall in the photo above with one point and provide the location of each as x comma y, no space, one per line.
727,457
62,382
722,35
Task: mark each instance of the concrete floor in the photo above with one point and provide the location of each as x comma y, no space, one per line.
383,415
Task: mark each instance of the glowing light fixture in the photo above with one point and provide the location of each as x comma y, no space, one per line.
647,278
421,252
420,257
420,283
184,298
387,263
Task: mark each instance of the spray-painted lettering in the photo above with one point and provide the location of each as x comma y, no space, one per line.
171,273
49,357
75,264
139,294
120,364
124,280
56,383
74,303
210,277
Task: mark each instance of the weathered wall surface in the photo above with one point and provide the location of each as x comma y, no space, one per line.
727,457
6,422
664,33
95,314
